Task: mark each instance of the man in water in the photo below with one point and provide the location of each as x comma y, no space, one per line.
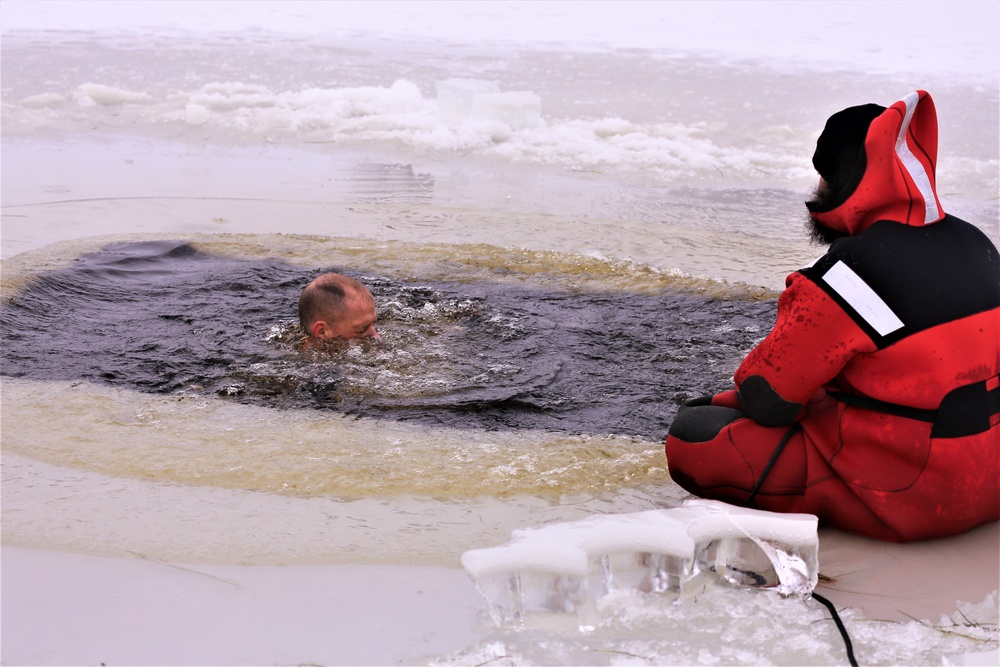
336,306
874,402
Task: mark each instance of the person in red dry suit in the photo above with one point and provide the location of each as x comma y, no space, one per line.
873,402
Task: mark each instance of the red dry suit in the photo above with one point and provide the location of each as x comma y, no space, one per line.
873,402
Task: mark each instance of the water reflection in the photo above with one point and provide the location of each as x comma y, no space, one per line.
382,183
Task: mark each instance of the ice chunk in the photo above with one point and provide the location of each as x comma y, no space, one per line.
520,110
455,96
565,568
525,580
89,94
755,548
195,114
462,100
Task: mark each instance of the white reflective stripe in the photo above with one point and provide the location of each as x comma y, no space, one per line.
862,298
913,165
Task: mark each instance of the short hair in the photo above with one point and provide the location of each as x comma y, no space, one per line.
325,298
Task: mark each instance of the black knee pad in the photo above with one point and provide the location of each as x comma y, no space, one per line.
701,423
700,400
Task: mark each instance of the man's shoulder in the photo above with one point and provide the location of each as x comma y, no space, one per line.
921,276
891,247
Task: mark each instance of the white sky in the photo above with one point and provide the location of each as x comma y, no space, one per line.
933,36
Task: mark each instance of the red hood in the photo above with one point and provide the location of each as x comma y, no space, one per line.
898,181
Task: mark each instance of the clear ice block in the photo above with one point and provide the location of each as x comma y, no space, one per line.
563,569
521,581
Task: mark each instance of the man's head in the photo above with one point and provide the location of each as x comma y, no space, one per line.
336,306
840,157
878,164
840,160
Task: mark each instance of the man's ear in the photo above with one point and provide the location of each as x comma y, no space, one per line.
319,329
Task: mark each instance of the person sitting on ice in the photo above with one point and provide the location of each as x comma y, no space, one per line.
337,306
873,402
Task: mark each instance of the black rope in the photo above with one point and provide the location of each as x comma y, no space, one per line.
770,464
816,596
840,626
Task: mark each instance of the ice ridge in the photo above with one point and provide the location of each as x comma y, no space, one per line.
563,569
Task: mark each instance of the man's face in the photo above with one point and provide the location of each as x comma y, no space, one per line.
358,321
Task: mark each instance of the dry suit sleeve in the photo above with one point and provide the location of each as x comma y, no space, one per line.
811,342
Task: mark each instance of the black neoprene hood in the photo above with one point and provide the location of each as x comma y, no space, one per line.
840,150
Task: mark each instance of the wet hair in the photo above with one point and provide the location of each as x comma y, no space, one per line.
326,297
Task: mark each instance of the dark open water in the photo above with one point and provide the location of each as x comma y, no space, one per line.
165,317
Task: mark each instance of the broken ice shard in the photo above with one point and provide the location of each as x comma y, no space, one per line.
564,568
476,101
